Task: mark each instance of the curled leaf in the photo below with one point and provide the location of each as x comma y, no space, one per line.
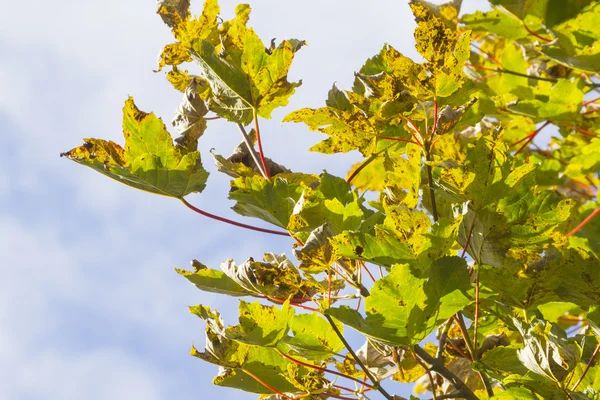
189,120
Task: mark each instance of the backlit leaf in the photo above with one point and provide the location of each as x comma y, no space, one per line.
403,308
149,162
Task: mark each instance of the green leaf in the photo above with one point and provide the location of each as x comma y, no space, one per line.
406,174
317,254
314,209
584,62
553,310
497,22
211,280
261,325
237,358
404,308
366,118
504,359
515,393
245,77
383,249
187,29
347,130
406,236
313,337
593,318
547,351
563,104
272,201
149,162
444,48
552,12
586,162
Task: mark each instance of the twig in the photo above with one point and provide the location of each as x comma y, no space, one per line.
443,337
587,368
464,251
228,221
362,166
428,372
529,138
486,383
581,130
398,139
376,384
295,304
488,55
251,150
591,101
415,129
585,221
363,290
431,190
260,150
435,118
532,33
463,330
508,71
362,264
438,366
476,322
271,388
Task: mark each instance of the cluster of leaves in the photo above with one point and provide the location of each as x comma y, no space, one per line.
480,235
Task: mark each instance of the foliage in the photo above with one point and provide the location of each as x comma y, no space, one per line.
480,235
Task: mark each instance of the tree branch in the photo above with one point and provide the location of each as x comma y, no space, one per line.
463,390
376,384
587,368
251,150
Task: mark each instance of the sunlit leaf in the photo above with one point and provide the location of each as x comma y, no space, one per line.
149,162
261,325
313,337
404,308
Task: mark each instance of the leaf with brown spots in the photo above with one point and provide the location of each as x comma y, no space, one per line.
150,160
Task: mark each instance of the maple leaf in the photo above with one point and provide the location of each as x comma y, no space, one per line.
150,161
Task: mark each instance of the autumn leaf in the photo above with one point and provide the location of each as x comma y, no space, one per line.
150,161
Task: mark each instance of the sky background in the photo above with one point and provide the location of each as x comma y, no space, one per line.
90,306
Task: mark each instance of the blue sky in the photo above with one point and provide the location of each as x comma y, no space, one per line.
90,307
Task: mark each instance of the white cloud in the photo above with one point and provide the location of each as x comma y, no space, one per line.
97,374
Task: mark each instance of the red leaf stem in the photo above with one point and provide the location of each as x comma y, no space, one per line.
228,221
412,124
529,138
584,222
488,55
581,130
532,33
398,139
587,368
318,368
265,384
